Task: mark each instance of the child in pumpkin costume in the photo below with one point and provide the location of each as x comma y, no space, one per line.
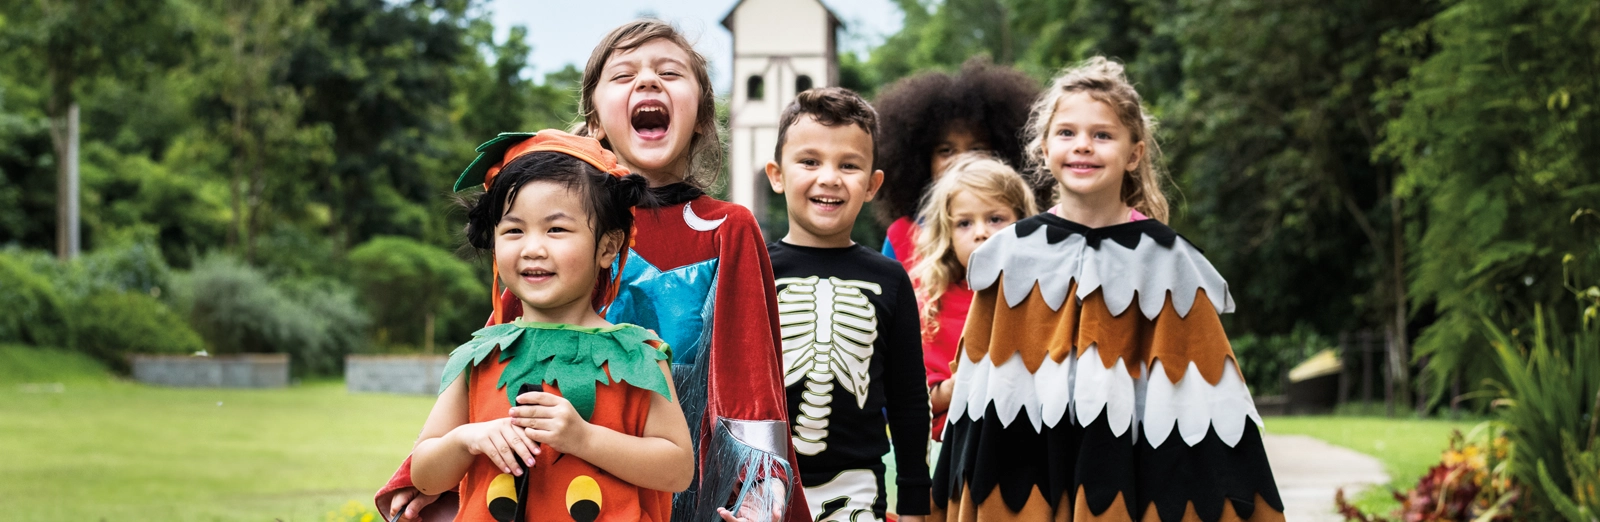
557,414
698,275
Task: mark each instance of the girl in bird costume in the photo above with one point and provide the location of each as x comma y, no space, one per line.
1093,379
557,414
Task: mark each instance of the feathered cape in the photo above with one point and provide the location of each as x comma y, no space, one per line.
1095,382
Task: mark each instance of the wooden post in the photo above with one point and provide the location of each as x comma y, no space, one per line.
1455,397
1388,372
1365,338
1344,370
1420,383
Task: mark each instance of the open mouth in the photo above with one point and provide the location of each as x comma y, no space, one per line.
536,273
650,119
827,203
1082,167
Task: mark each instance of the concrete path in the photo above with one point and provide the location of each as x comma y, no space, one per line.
1309,471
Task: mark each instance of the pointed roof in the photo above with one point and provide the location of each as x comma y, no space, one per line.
727,20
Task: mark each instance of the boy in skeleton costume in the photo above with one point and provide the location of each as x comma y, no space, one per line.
1094,381
848,317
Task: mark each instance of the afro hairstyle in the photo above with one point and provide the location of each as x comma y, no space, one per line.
915,112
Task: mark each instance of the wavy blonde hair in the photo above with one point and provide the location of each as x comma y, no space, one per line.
937,266
1105,81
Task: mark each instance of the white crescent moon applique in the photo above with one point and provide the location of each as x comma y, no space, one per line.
703,225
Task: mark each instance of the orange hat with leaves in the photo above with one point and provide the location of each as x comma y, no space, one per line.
495,154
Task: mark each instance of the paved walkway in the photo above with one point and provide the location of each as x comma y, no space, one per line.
1309,471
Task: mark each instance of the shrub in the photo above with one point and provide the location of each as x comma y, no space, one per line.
237,309
1550,406
34,311
411,286
129,265
342,325
1469,483
1265,360
115,324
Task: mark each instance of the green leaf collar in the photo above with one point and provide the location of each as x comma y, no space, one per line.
574,358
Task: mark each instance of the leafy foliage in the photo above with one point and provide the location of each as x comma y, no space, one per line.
1550,407
35,313
113,325
1499,138
237,309
1265,361
411,285
1469,483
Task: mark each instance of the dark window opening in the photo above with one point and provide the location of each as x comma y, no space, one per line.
757,87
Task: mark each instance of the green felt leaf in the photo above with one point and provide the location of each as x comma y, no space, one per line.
473,352
574,359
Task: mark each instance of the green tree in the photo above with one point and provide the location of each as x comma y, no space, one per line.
408,283
382,75
1498,136
77,42
244,57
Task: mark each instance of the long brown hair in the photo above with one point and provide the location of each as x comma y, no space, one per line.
705,148
1105,82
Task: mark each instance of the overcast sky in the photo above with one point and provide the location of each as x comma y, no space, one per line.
565,31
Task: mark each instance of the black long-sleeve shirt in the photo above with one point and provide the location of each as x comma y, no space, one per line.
852,351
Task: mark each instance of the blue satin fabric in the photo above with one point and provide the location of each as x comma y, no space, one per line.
670,303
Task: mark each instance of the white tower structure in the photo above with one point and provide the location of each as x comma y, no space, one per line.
780,47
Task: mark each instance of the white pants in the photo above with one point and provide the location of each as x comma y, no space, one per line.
846,498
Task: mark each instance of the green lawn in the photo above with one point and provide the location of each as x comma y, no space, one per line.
1407,447
96,448
76,444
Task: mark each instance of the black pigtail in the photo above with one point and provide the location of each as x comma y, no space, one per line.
632,190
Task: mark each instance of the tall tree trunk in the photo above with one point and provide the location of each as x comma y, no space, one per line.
253,199
236,184
1400,359
64,137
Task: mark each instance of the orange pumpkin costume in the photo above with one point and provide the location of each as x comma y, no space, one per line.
563,487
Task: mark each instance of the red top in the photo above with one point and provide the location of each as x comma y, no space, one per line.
939,349
902,238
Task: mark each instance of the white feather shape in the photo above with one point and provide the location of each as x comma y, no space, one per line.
1009,387
1097,389
1195,405
1148,272
1053,381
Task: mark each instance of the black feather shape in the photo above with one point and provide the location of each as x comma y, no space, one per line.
984,454
1207,474
1058,229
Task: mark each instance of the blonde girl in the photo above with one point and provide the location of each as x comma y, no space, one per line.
1093,379
1091,133
975,197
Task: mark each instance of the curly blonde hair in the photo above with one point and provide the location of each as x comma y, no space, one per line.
1105,81
937,267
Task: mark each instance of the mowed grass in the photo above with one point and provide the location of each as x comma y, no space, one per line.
99,448
1407,447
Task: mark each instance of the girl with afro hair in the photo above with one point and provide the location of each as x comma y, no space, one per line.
928,119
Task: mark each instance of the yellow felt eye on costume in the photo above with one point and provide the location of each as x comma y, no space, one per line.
502,497
583,499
